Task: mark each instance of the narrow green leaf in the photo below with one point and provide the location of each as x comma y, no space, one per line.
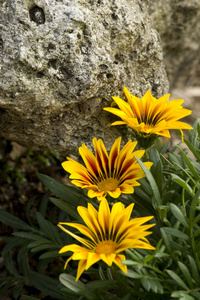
189,163
47,246
39,242
168,196
178,215
46,285
166,239
129,262
133,274
69,194
101,284
28,235
175,158
146,284
165,148
44,204
10,265
178,280
193,133
17,289
68,208
193,208
158,175
168,162
182,183
192,148
7,285
151,180
154,157
28,210
48,228
25,297
23,260
194,270
11,244
182,295
175,232
50,254
12,221
186,274
69,281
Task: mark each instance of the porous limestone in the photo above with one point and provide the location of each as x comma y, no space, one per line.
177,22
61,61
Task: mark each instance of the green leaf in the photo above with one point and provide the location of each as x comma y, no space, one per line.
76,286
166,239
25,297
50,254
151,180
69,194
12,221
23,260
175,158
189,163
11,244
154,157
129,262
46,285
133,274
158,175
182,183
101,284
175,232
28,210
68,208
7,285
193,133
165,148
182,295
193,208
28,235
44,204
192,148
194,270
48,228
178,215
10,265
178,280
17,289
47,246
186,274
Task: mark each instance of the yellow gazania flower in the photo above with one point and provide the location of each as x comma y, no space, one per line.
150,117
108,233
104,174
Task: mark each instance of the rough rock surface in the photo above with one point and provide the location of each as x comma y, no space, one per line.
177,22
62,60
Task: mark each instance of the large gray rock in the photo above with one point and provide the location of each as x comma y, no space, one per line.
178,23
62,60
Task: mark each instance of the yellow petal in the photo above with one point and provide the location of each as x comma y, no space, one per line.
81,268
108,258
118,260
92,259
83,241
104,215
124,106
